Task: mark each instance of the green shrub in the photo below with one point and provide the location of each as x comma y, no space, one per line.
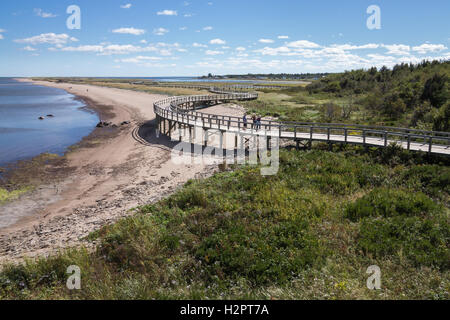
425,242
383,202
431,179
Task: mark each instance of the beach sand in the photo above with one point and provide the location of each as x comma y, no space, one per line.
107,179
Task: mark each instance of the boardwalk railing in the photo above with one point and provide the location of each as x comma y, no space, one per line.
182,111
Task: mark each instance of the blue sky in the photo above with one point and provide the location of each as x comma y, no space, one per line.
195,37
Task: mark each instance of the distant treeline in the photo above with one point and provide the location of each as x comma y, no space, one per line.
418,90
271,76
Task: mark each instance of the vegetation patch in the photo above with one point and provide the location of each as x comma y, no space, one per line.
309,232
6,195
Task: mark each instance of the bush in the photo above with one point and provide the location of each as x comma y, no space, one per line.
430,179
425,242
383,202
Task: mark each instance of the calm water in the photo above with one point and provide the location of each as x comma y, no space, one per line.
23,136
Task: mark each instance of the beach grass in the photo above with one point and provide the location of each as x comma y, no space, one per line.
309,232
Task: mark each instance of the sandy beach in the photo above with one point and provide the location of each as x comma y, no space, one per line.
109,176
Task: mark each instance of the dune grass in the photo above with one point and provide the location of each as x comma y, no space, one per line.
309,232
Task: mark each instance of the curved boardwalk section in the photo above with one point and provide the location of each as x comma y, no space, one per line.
182,113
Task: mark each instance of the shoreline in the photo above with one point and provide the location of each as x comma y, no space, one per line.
89,106
100,180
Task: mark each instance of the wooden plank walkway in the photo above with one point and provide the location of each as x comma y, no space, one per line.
181,112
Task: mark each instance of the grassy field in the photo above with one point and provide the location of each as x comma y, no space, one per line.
296,104
309,232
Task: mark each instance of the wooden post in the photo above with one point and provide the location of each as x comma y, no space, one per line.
409,141
346,135
430,148
170,130
385,139
364,137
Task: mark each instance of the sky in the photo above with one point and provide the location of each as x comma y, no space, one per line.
151,38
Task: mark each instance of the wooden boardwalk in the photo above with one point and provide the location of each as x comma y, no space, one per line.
179,116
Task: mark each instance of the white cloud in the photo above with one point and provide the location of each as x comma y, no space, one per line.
139,59
50,38
303,44
273,51
283,37
1,36
115,49
354,47
183,28
240,49
167,13
199,45
397,49
28,48
42,14
207,28
126,6
266,41
133,31
213,52
188,15
160,31
84,48
428,47
217,41
163,49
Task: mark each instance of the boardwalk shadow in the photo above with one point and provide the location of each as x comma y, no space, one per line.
146,135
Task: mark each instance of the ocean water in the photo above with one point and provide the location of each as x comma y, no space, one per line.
23,135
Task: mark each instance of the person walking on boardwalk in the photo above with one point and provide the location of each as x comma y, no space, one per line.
254,121
245,121
258,122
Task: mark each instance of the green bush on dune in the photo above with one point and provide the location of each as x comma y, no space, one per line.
402,223
386,203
